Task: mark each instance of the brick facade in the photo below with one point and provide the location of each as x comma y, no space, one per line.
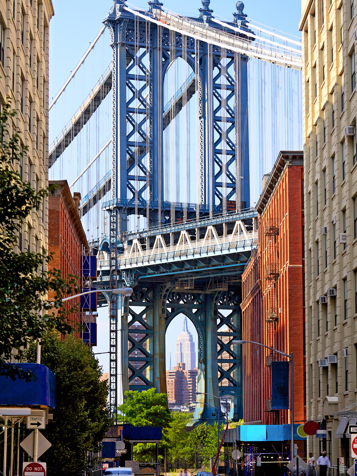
66,238
274,276
181,385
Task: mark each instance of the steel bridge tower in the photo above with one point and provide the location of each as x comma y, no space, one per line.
206,290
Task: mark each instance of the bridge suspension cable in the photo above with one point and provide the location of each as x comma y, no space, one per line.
203,32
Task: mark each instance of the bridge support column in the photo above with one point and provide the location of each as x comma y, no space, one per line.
159,340
210,404
123,361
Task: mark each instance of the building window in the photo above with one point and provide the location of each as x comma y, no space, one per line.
345,297
317,258
13,70
331,42
342,94
334,309
334,240
37,133
346,369
325,189
333,175
318,318
344,226
355,276
354,149
325,251
353,72
14,8
38,74
333,113
22,100
324,130
316,145
323,63
343,155
2,44
341,27
354,218
352,9
317,197
23,27
30,115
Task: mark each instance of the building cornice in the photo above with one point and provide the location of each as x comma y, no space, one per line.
284,159
304,14
49,8
64,190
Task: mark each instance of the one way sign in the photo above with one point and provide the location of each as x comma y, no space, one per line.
37,421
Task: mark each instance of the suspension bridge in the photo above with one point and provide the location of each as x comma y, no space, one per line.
160,148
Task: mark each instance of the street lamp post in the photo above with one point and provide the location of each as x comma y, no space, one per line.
123,291
289,356
218,418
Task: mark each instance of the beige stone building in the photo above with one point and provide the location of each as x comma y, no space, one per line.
24,53
329,32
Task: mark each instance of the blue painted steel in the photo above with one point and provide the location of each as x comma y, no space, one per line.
146,433
89,267
280,385
89,333
109,449
251,433
41,391
89,301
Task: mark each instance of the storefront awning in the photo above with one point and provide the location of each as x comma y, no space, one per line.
341,427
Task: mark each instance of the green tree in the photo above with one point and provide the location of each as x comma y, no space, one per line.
145,409
177,439
204,438
81,418
25,312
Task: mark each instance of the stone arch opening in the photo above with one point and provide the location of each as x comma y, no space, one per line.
183,369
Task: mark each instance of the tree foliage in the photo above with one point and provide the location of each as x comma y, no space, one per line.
81,418
26,314
180,441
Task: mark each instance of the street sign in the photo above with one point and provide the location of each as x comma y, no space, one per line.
259,460
352,429
341,465
34,421
34,469
43,444
354,447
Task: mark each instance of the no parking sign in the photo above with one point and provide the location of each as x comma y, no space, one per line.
353,446
34,469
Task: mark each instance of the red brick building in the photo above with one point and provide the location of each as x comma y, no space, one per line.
66,237
181,385
273,292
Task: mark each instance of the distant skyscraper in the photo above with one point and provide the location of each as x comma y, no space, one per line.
185,349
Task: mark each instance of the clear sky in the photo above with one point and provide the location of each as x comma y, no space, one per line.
77,22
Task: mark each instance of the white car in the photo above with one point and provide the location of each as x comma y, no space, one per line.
121,471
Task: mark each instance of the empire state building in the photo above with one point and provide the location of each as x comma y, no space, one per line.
185,349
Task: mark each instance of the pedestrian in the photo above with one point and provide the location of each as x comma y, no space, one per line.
324,463
311,465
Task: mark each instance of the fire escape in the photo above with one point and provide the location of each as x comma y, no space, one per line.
271,233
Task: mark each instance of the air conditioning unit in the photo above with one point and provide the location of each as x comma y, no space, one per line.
349,131
343,237
323,363
324,230
332,359
334,220
323,299
332,292
345,352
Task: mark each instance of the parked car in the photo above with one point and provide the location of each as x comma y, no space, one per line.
121,471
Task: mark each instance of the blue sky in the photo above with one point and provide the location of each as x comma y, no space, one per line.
77,22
